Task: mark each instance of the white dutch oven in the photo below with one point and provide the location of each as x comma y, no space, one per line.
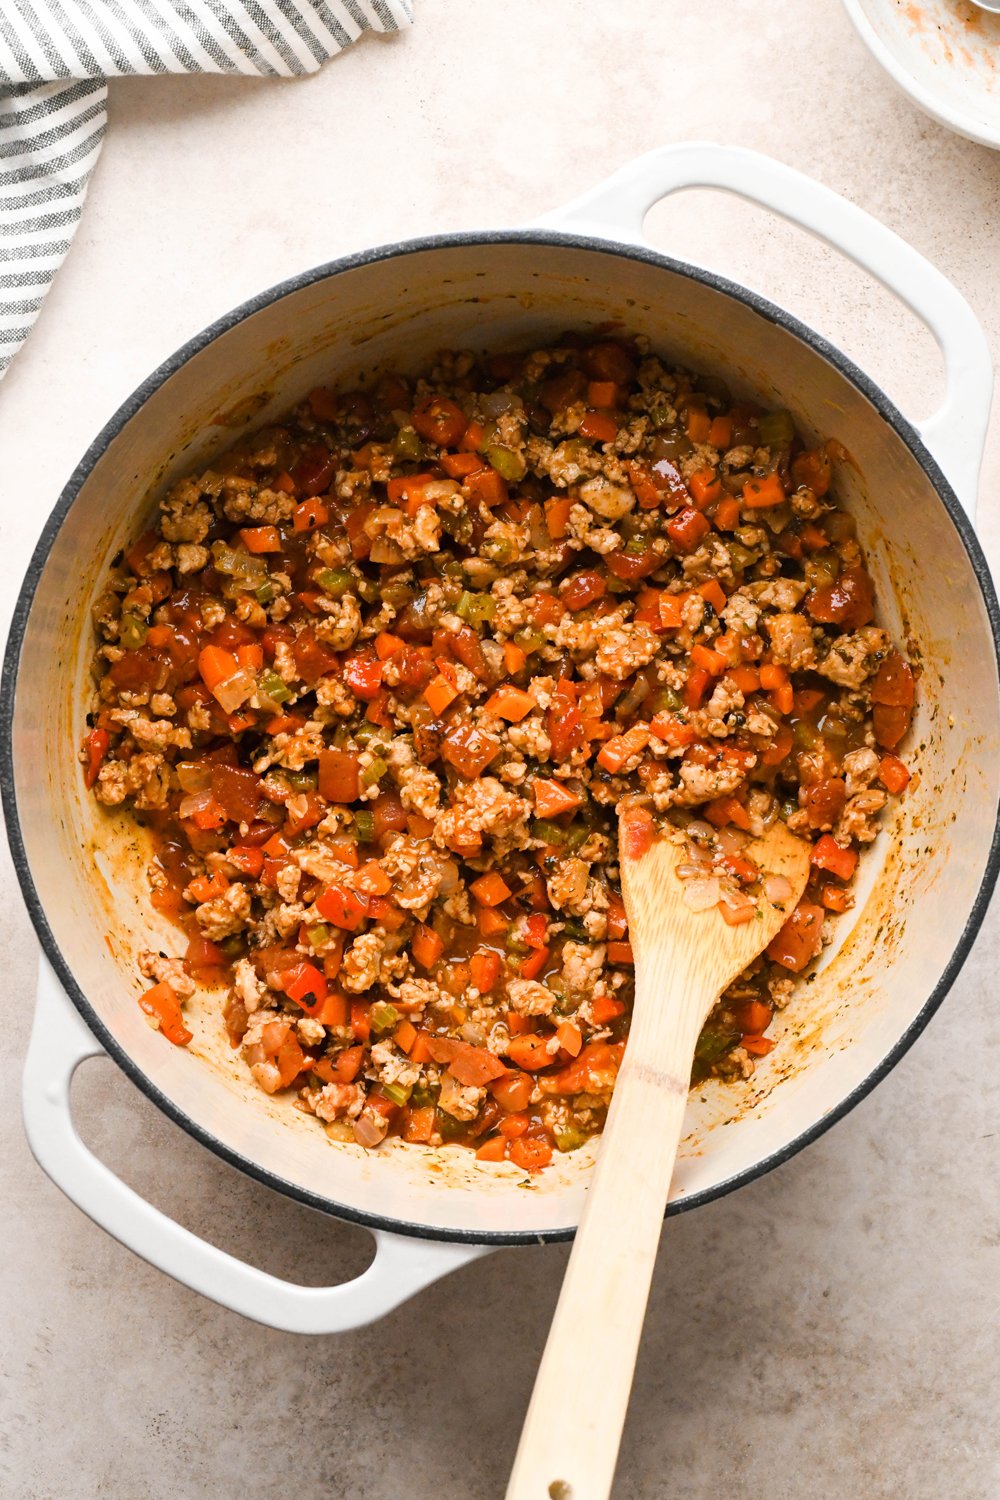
924,887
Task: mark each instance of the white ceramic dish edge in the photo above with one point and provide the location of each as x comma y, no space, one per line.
402,1266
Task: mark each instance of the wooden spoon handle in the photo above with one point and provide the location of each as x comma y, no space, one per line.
569,1443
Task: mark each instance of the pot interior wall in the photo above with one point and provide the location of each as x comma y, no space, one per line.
917,886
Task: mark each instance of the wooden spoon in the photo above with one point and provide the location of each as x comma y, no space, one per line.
683,961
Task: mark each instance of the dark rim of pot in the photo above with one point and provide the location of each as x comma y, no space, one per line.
471,241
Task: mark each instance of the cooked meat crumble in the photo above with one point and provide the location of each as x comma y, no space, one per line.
380,677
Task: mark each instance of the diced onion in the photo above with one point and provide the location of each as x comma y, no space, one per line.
368,1131
498,402
736,908
384,551
700,831
194,775
777,889
732,840
195,803
234,692
702,895
472,1032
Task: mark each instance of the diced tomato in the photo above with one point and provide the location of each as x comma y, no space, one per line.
440,421
470,749
824,801
687,529
339,776
849,601
582,589
598,426
161,1003
342,906
314,472
363,675
828,855
800,939
530,1153
475,1066
893,683
96,746
247,860
628,566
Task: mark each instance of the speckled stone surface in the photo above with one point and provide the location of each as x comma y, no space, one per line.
831,1330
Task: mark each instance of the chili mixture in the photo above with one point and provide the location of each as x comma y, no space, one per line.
381,675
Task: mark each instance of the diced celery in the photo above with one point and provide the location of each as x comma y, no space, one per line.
636,546
133,632
383,1016
576,835
335,581
776,429
407,445
374,772
448,1127
508,464
424,1093
568,1137
665,700
303,781
367,588
318,934
530,640
272,686
364,822
476,608
549,833
265,593
398,1093
498,549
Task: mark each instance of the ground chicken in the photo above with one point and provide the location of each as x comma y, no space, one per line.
163,970
852,659
791,641
224,915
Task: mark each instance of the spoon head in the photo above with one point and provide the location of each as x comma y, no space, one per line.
704,942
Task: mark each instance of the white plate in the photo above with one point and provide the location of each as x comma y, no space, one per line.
944,53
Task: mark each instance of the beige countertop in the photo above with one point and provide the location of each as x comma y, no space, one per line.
829,1331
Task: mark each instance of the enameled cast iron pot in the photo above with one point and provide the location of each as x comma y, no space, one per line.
924,887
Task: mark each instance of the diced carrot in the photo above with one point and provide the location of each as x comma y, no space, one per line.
757,1046
893,774
343,907
569,1038
419,1124
475,1066
485,968
725,810
602,393
753,1016
714,594
490,889
310,514
510,703
746,679
420,1050
711,661
285,483
530,1154
488,486
695,687
720,434
513,657
472,438
372,879
515,1124
261,538
493,1150
706,487
216,665
529,1052
387,645
439,693
405,1035
603,1008
670,607
491,922
250,656
673,731
553,798
426,946
460,465
697,424
763,493
557,518
727,517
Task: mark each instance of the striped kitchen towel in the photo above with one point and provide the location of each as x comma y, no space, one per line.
55,56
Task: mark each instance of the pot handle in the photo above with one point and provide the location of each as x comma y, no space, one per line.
60,1041
616,208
